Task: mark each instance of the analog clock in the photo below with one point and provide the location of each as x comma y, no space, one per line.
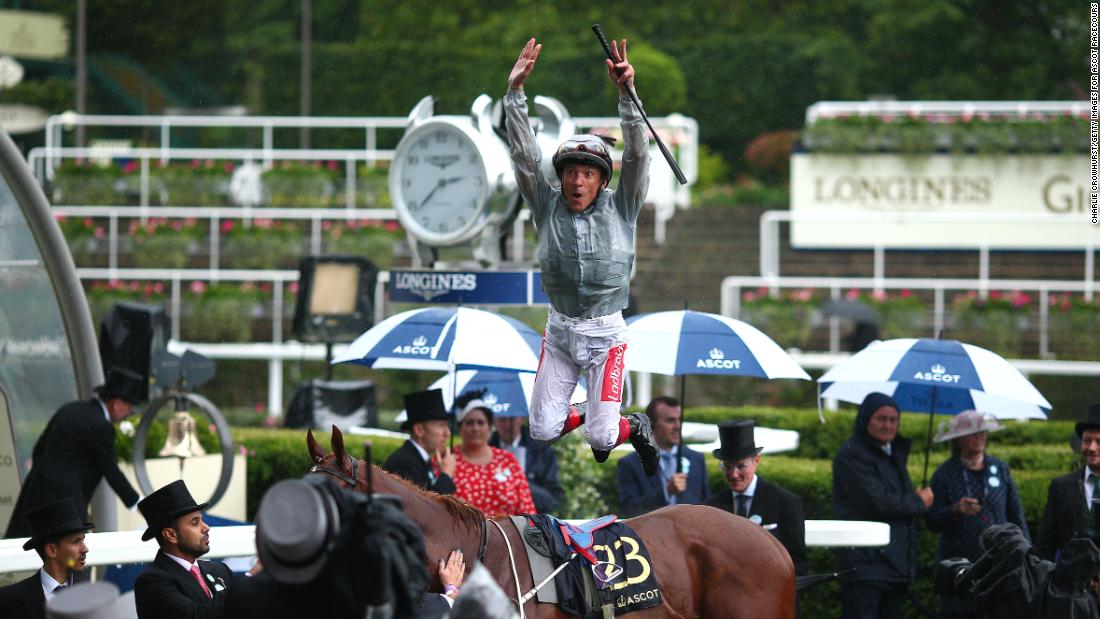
439,182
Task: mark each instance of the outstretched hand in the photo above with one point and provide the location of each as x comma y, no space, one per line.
620,71
524,64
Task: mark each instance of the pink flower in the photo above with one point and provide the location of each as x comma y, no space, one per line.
293,287
391,226
227,225
748,296
905,293
195,163
879,295
260,407
209,165
852,294
135,286
99,232
114,284
198,287
88,223
227,166
158,288
130,167
333,165
326,225
994,294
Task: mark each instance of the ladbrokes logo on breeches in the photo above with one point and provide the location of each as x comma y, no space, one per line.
613,375
938,374
718,361
419,347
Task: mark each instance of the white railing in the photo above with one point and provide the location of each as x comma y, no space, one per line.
947,109
770,244
730,296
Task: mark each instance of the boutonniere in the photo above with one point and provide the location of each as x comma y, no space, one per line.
219,584
685,465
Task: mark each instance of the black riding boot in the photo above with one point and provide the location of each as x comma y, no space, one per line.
641,438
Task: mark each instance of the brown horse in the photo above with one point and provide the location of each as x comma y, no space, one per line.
707,562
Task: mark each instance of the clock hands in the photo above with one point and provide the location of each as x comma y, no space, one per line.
443,182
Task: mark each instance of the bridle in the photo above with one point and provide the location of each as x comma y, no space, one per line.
352,482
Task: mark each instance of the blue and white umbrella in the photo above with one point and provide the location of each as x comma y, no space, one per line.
686,342
446,339
508,394
963,376
935,376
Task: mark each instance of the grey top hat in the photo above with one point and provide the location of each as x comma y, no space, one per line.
54,520
294,524
166,504
738,440
86,600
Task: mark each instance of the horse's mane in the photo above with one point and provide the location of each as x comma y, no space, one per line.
463,512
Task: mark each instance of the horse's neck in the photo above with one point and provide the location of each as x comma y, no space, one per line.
442,530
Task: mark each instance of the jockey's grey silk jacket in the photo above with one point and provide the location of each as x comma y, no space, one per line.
585,258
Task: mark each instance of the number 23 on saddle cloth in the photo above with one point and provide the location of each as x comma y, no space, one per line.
617,557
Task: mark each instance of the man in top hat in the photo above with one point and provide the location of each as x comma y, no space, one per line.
424,459
57,535
672,485
177,584
755,498
77,449
1071,510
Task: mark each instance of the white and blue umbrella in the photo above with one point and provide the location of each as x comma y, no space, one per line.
686,342
507,394
962,376
446,339
935,376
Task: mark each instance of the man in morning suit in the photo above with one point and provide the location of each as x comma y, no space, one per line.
424,459
1071,510
672,485
755,498
77,449
57,535
177,584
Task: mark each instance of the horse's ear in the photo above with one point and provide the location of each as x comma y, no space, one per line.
315,452
338,445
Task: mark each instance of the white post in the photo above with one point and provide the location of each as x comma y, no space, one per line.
644,387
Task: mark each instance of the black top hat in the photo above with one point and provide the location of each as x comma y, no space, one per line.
295,523
54,520
738,441
424,406
121,383
1092,422
166,504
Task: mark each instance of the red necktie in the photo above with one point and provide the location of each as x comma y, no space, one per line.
198,577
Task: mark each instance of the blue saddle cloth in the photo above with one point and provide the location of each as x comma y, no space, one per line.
580,537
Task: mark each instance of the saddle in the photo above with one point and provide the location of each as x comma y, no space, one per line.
580,537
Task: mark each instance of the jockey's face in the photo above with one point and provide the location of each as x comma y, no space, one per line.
580,184
739,473
666,425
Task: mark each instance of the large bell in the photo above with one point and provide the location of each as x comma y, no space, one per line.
183,441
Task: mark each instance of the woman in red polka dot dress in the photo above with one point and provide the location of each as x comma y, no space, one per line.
488,478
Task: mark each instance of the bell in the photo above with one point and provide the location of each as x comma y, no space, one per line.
183,441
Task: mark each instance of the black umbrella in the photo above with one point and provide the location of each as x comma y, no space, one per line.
855,310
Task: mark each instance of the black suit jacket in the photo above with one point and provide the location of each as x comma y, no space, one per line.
775,505
167,591
262,597
1064,515
74,452
407,463
24,599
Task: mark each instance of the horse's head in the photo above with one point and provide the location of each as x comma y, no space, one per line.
339,464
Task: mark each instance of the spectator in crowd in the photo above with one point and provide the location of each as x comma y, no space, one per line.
486,477
973,491
177,584
424,459
1071,509
673,485
77,449
871,482
538,460
750,496
57,535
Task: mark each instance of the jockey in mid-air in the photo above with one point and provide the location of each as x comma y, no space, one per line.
586,252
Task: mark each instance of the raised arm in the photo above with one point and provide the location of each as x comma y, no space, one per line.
522,148
634,177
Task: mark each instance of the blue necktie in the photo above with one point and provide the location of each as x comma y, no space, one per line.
668,466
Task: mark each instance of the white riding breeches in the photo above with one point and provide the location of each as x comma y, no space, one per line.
571,346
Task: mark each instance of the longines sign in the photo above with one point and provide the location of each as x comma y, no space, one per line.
1002,187
471,287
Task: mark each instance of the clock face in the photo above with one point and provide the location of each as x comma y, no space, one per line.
438,182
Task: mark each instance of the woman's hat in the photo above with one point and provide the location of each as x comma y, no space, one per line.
738,440
424,406
54,520
1092,422
472,405
294,524
965,424
165,505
